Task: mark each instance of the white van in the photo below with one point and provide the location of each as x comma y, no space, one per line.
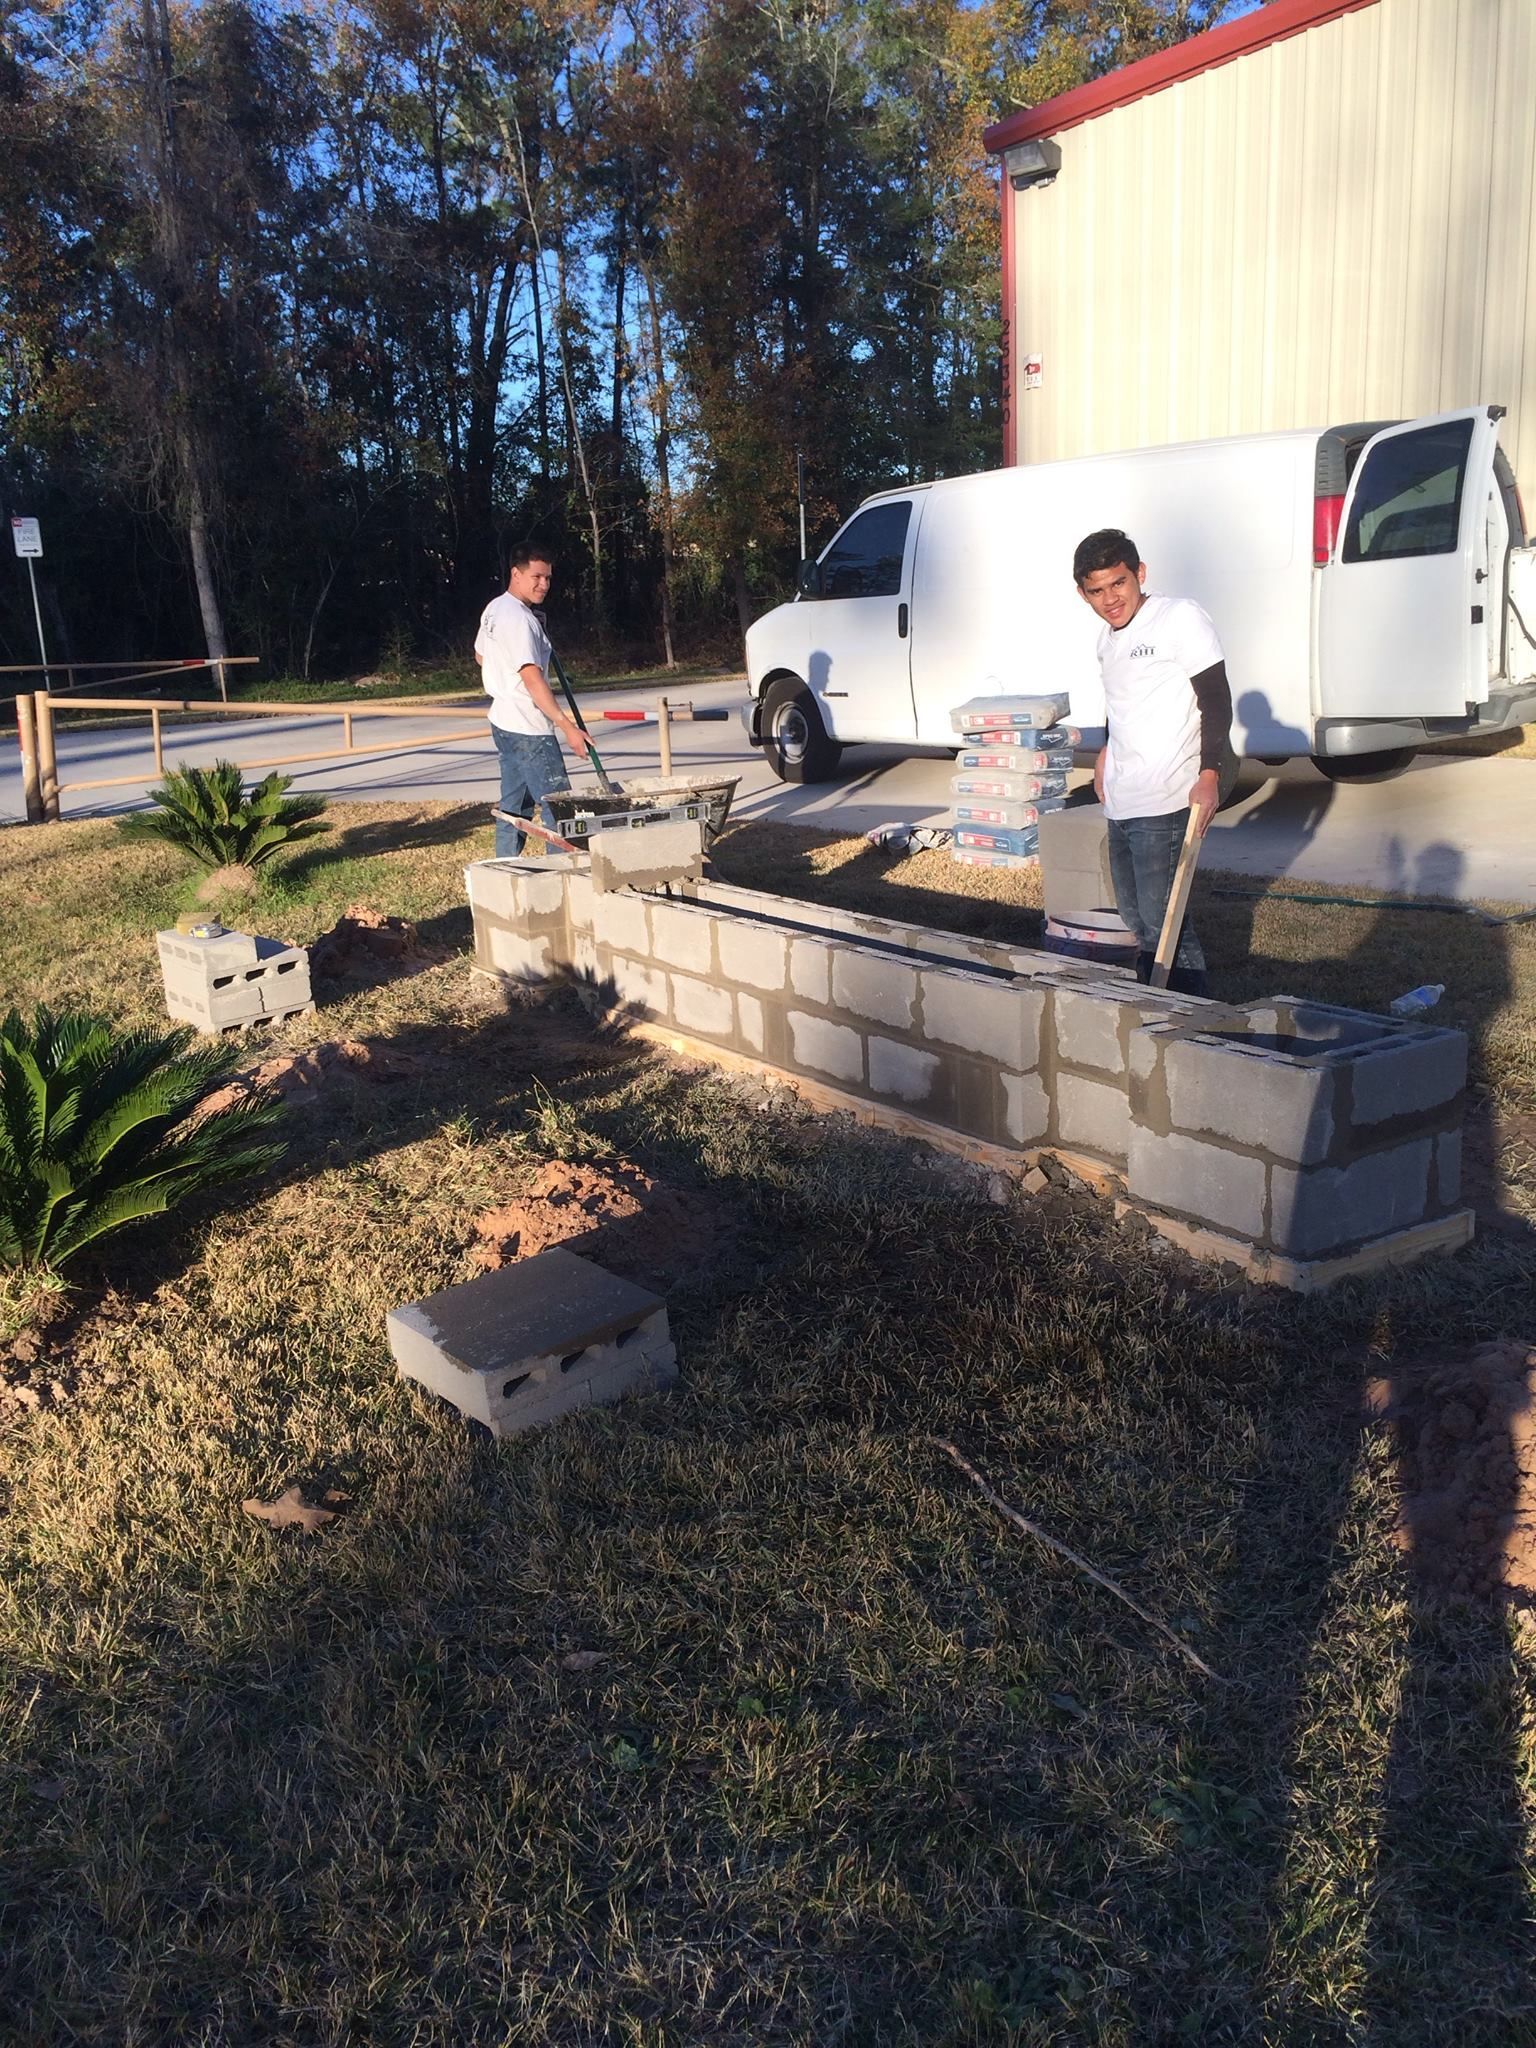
1371,585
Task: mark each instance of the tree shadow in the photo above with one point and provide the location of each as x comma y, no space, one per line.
358,842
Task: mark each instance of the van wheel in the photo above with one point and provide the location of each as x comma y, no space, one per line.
794,738
1364,767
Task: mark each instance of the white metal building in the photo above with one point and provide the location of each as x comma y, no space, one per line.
1322,212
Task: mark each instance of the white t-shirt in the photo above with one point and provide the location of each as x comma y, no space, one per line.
510,637
1153,718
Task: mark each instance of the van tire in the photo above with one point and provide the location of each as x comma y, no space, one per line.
795,741
1380,767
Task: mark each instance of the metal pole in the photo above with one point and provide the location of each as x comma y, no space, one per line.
800,494
37,613
47,756
664,729
159,738
31,780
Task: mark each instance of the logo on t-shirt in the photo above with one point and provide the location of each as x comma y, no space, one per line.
1145,647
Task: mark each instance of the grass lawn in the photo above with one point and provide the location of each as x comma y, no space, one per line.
851,1761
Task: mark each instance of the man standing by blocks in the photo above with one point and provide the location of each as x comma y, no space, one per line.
527,724
1168,709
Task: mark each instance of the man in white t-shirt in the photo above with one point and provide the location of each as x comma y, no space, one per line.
513,651
1168,709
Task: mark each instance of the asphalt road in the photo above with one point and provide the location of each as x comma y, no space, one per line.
1448,827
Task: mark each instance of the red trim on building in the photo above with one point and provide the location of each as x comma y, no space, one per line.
1006,351
1271,24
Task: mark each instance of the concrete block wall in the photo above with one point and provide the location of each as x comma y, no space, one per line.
1292,1127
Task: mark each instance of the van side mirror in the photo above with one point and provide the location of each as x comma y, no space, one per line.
810,579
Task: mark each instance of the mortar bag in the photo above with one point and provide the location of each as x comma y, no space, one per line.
971,810
970,857
982,714
1044,739
998,838
1015,761
1022,789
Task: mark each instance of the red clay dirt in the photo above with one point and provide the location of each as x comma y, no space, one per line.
363,940
1466,1442
616,1215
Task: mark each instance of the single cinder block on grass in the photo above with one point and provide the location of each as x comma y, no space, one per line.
517,1348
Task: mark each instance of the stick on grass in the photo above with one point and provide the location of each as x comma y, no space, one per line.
1040,1535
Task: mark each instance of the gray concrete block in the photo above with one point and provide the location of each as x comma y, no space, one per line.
639,986
902,1071
517,1348
998,1019
578,901
826,1048
203,959
525,959
810,969
683,936
1260,1100
752,953
1092,1116
647,855
1027,1115
749,1021
1145,1051
1448,1169
1215,1186
1321,1209
702,1006
1087,1029
874,986
213,1009
620,920
1417,1075
515,889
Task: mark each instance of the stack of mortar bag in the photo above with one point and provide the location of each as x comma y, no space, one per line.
1012,769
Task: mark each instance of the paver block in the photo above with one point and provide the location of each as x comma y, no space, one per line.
1260,1100
1325,1208
517,1348
998,1019
826,1048
702,1006
647,856
874,985
1194,1179
1092,1115
902,1070
683,936
753,953
1415,1076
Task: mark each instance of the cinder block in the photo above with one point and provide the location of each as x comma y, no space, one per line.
526,959
641,986
620,920
516,889
753,953
810,969
1145,1051
1027,1117
1417,1075
901,1070
1093,1116
1193,1179
703,1007
826,1048
227,954
749,1021
1088,1029
1448,1169
683,936
514,1349
213,1009
647,855
1326,1208
1260,1100
998,1019
578,901
874,985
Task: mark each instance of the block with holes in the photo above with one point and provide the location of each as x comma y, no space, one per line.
517,1348
230,980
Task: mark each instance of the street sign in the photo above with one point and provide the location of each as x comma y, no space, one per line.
28,537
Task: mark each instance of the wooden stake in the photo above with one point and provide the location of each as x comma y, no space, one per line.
1178,902
1098,1577
664,733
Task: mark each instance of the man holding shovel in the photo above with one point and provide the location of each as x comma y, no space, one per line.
527,723
1168,709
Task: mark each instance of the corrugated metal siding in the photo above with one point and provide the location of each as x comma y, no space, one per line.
1337,227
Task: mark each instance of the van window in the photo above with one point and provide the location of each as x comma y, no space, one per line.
865,559
1408,495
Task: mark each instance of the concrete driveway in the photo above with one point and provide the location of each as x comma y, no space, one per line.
1449,827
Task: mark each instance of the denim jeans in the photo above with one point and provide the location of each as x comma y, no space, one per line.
1143,855
531,766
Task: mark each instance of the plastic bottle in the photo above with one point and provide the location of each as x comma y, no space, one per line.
1418,1000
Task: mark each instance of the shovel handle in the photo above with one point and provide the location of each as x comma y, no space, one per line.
1178,902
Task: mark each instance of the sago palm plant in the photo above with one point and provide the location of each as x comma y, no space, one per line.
98,1128
210,813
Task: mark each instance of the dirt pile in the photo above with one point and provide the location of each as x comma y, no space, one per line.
1466,1442
363,940
616,1215
302,1076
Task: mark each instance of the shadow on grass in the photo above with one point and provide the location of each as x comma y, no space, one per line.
359,842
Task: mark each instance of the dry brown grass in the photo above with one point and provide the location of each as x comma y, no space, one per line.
860,1765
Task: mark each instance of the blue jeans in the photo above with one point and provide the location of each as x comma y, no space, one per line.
1143,855
531,766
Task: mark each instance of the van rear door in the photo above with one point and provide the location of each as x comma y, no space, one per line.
1409,597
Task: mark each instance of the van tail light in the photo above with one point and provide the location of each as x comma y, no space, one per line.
1327,513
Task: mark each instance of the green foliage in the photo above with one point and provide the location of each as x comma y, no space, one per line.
210,813
97,1129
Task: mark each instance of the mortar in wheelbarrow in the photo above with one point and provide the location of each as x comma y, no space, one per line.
647,793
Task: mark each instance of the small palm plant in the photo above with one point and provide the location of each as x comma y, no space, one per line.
98,1127
230,829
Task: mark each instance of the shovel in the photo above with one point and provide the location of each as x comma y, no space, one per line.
605,781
